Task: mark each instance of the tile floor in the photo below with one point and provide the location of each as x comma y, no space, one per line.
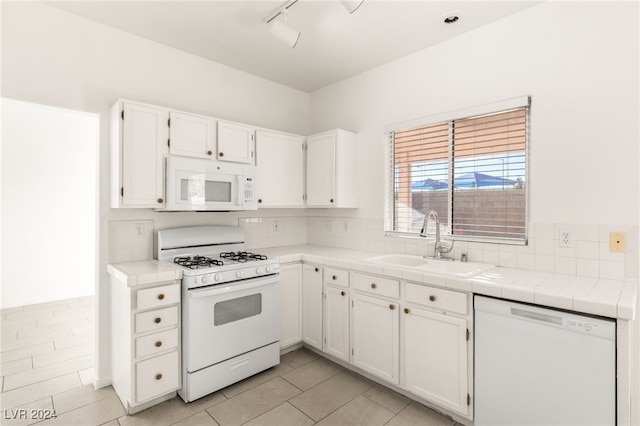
46,365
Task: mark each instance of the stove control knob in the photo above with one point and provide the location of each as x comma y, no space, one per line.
217,277
259,270
239,274
204,279
269,269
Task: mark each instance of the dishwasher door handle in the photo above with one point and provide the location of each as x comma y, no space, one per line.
536,316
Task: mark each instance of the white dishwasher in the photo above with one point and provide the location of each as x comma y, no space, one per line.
540,366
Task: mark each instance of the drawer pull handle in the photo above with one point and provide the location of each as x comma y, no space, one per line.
373,285
392,307
432,298
160,200
160,296
157,320
406,310
342,293
158,376
158,344
334,277
209,152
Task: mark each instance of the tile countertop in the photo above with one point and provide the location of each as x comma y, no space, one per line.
609,298
143,272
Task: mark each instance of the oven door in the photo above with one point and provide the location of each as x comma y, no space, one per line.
227,320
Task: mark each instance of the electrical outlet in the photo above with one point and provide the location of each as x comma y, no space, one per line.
328,226
139,229
617,242
276,226
565,238
346,225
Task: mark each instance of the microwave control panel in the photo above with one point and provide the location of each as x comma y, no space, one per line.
249,193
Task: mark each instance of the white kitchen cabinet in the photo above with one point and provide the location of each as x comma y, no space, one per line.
139,144
435,358
192,135
290,305
375,336
336,322
332,169
145,334
312,305
280,169
236,142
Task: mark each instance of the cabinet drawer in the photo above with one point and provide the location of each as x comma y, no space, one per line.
377,285
158,296
336,277
437,298
155,320
157,376
157,342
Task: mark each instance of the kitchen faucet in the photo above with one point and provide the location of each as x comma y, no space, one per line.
438,249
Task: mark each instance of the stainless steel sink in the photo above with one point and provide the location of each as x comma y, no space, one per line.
433,266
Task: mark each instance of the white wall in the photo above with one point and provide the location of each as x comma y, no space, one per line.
49,199
579,63
55,58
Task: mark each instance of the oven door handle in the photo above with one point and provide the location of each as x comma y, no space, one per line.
224,289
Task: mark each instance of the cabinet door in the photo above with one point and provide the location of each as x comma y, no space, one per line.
321,175
235,143
435,358
191,135
312,305
145,135
375,331
280,169
336,322
290,305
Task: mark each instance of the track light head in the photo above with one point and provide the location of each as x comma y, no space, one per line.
284,33
351,5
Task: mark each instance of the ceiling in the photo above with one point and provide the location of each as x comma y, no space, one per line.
333,44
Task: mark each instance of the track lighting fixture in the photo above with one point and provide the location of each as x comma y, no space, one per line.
283,32
351,5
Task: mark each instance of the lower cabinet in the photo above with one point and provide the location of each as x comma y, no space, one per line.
312,305
374,337
290,305
435,358
336,322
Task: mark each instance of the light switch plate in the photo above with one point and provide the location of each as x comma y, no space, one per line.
617,242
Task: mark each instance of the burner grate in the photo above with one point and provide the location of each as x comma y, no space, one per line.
242,256
195,262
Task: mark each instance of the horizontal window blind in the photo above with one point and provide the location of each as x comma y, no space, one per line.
471,171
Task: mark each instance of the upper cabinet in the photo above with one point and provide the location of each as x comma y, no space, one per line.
236,142
192,135
139,143
332,169
280,169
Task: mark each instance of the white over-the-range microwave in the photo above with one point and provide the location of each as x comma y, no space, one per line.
194,184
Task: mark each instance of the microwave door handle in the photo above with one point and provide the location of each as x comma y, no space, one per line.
239,197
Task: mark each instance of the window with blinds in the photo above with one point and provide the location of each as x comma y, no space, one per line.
472,171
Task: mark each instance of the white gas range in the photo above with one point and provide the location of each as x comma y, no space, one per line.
230,307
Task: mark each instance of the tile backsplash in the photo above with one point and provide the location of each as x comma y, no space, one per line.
130,240
587,255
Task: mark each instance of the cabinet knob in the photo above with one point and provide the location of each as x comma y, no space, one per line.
342,293
160,296
432,298
221,154
259,200
331,200
406,310
160,200
316,269
392,307
333,277
158,376
158,344
373,285
157,320
209,152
